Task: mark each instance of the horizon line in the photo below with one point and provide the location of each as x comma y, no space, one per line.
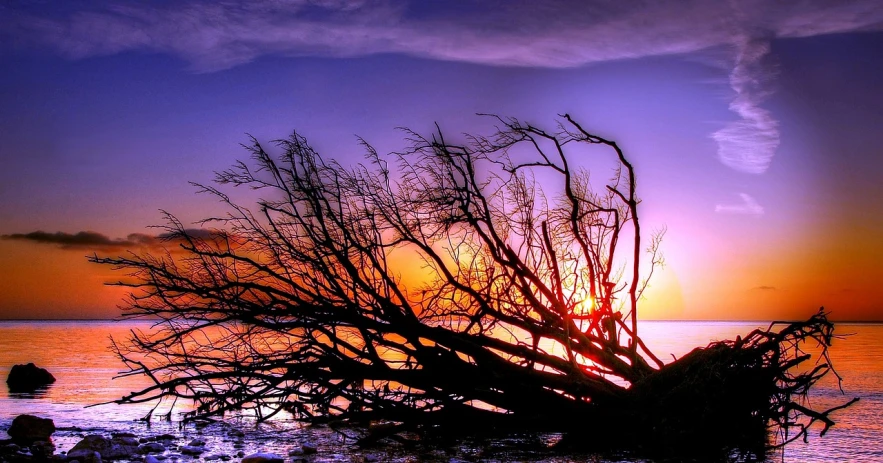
712,320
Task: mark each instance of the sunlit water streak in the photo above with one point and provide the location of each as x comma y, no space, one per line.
78,354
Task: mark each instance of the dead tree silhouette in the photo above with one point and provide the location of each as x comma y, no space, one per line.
526,318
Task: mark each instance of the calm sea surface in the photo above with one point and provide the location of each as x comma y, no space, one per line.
77,354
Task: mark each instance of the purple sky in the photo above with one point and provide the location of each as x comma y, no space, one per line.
754,125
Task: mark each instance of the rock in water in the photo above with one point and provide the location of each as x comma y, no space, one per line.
42,450
262,457
29,428
109,449
303,449
84,456
27,378
151,447
191,450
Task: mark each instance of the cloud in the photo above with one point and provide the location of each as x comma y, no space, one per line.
764,288
90,240
749,143
747,206
215,35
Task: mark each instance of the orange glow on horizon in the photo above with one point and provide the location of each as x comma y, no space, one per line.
705,280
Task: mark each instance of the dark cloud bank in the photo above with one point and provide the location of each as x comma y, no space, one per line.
90,240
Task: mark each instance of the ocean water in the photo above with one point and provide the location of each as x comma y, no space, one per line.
78,354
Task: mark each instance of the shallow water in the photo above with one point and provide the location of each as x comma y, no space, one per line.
78,354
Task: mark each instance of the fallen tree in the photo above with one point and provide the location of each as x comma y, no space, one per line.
525,319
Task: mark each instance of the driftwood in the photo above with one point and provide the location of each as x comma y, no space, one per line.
525,319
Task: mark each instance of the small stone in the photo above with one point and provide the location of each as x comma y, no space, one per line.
263,457
130,441
214,456
151,459
191,450
309,448
84,456
240,454
42,449
151,447
29,428
197,443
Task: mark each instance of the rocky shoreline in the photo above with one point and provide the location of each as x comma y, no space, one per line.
223,441
34,439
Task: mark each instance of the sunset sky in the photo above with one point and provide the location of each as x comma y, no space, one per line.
756,127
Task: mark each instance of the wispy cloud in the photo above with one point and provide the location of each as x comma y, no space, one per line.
214,35
749,143
747,206
94,241
764,288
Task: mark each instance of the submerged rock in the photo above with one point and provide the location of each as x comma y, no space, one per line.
263,457
304,449
29,428
27,378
